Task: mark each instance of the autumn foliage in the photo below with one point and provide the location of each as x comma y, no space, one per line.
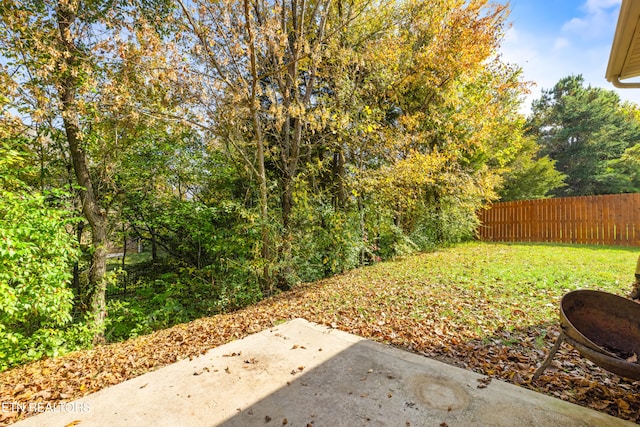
253,145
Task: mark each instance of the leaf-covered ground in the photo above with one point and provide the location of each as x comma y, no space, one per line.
490,308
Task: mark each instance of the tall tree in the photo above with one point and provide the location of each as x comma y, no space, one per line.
438,110
583,129
62,56
403,104
261,60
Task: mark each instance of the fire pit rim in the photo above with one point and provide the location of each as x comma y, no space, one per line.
571,330
591,350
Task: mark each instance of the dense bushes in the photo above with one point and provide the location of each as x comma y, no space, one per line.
36,253
162,300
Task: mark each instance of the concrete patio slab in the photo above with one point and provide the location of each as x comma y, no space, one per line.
303,374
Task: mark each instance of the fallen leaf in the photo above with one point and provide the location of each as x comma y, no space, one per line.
622,404
601,405
501,344
484,382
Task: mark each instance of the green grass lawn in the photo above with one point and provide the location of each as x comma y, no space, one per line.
484,286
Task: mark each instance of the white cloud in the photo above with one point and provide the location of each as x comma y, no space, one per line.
575,25
561,43
580,46
511,35
599,20
595,6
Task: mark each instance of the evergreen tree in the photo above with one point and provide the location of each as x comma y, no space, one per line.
586,130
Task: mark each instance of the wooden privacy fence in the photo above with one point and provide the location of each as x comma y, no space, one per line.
597,220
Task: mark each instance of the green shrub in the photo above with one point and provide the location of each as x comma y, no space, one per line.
326,241
176,297
36,253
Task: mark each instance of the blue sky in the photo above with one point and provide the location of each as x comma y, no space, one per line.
551,39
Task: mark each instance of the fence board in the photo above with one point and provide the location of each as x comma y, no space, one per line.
612,219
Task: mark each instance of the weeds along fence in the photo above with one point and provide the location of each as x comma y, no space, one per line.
596,220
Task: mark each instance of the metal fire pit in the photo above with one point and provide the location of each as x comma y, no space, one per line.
604,328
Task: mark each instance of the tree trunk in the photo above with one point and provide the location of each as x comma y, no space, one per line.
154,245
97,272
292,131
437,205
266,282
338,178
76,267
90,208
284,256
124,258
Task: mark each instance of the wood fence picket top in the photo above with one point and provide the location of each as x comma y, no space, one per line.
612,219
